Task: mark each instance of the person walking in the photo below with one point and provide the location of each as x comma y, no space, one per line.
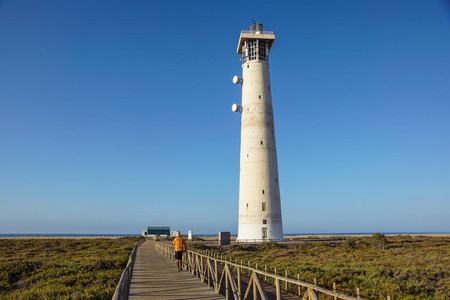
180,247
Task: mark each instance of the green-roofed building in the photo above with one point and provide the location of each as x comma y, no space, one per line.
158,231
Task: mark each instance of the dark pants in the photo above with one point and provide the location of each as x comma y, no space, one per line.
178,254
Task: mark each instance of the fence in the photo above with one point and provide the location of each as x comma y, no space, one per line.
241,242
338,239
123,287
206,267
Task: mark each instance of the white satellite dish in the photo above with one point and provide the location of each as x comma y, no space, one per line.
236,107
237,79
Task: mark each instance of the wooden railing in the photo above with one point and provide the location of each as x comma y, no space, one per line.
206,267
123,287
337,239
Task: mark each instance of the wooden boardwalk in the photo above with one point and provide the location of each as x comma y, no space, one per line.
156,277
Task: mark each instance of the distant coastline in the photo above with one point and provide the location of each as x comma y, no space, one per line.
117,235
65,235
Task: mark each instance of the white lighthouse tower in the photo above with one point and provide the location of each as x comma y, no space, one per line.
259,190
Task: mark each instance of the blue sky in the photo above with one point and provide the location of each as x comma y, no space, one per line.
116,115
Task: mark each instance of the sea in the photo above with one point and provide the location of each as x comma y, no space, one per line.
206,234
66,234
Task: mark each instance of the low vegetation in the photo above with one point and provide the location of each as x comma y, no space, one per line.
403,267
62,268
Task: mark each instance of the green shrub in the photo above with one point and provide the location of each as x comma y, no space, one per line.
379,240
350,243
233,248
270,246
197,246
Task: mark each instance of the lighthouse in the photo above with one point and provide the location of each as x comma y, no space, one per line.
259,190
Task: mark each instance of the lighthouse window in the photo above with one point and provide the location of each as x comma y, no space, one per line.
259,96
255,50
247,155
247,205
261,142
264,221
245,53
263,206
276,179
264,233
262,46
263,192
248,66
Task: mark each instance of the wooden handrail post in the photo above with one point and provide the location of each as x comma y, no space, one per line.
226,283
315,281
285,283
215,272
208,271
358,293
334,290
192,263
298,278
388,297
239,282
275,272
202,277
255,290
265,270
278,288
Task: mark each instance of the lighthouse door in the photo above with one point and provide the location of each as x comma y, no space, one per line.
264,233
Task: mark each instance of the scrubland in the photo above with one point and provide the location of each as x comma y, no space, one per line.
404,267
62,268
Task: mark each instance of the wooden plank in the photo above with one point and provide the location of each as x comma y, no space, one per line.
247,292
213,275
219,286
312,294
156,277
232,282
260,286
305,296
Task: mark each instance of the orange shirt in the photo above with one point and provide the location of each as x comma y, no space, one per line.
179,242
